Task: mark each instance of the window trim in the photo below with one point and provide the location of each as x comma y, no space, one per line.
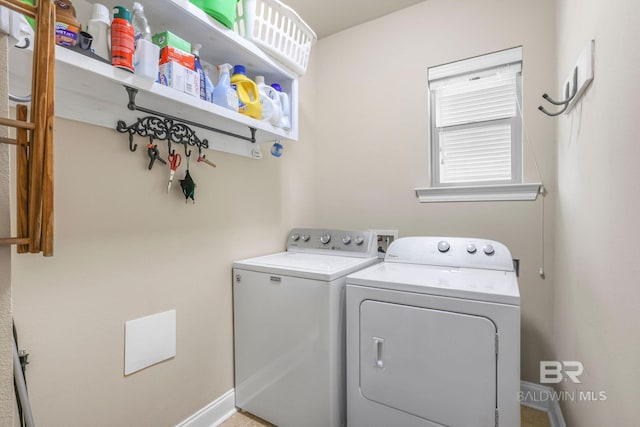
479,193
515,189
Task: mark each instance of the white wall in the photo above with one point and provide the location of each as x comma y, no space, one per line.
373,139
125,249
6,355
597,269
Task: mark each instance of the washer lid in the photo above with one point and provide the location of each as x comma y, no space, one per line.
306,265
468,283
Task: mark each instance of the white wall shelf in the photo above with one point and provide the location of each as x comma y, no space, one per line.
93,92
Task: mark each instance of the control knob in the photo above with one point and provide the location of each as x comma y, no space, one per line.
305,237
346,240
325,238
471,248
359,240
488,249
295,237
443,246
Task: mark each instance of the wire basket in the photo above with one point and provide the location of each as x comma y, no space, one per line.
278,30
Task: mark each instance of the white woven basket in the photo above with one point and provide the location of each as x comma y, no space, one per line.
278,30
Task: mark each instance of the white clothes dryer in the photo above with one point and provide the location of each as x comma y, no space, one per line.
289,327
433,336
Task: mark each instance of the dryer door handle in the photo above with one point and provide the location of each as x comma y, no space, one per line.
377,350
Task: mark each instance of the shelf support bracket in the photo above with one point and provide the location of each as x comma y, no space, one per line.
132,92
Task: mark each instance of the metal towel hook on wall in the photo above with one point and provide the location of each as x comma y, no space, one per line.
570,91
17,98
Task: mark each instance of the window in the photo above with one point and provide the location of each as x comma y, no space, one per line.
475,124
476,130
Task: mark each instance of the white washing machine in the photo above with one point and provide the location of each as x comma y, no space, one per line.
433,336
289,327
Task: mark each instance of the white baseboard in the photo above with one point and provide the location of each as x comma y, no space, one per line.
214,414
542,398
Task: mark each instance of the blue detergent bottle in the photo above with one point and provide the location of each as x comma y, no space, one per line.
202,82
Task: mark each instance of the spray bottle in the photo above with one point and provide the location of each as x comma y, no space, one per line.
223,94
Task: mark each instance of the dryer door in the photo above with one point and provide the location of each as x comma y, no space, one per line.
436,365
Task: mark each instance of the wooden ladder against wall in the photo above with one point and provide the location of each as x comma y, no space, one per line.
34,138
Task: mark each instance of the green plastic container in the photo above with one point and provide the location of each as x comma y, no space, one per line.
223,11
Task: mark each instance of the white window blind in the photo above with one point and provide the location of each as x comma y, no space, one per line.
475,121
476,154
478,100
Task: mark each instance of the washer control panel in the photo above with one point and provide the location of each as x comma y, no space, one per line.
461,252
349,242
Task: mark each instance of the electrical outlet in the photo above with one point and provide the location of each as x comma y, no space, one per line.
385,237
584,65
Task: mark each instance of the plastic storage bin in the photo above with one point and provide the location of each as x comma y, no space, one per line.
223,11
278,30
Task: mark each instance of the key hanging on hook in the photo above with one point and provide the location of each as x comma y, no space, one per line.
202,158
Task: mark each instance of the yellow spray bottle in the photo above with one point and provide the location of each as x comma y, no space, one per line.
248,93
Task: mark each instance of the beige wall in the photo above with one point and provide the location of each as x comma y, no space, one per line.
597,269
373,144
6,355
125,249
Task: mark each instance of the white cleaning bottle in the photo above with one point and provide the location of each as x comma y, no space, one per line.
285,119
145,59
140,24
270,100
223,94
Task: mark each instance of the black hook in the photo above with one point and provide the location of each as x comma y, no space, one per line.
122,127
186,153
568,97
27,43
132,146
171,152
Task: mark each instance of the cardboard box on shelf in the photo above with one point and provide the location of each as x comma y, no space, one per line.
179,77
167,38
171,54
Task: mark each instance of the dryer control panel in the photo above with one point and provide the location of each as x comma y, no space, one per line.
460,252
329,241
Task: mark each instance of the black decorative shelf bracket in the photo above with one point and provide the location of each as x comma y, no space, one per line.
168,127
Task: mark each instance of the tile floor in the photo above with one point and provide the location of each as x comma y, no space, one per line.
530,418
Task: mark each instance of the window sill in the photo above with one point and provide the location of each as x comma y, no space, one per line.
484,193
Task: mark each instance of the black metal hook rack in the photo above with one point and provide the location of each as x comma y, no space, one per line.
164,126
